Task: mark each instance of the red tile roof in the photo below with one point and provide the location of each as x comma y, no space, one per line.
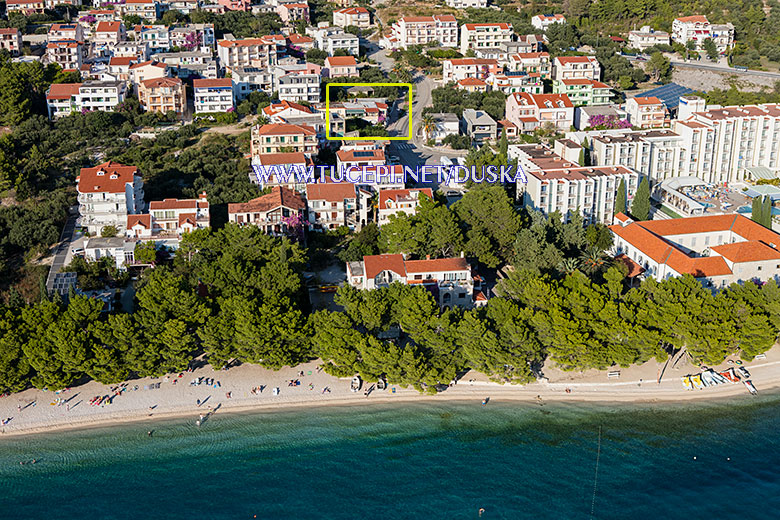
161,82
150,62
352,10
388,195
108,27
472,26
248,42
575,59
752,251
634,269
113,179
340,61
438,265
188,218
144,220
330,191
693,19
270,159
651,100
471,82
284,129
472,61
284,105
375,264
178,204
63,90
279,197
211,83
121,61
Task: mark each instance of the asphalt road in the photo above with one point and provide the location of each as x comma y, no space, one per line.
716,68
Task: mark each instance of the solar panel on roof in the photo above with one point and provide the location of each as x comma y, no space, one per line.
669,94
363,154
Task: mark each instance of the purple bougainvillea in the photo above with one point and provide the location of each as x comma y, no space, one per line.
294,225
611,122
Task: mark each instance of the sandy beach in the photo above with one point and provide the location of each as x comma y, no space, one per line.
238,389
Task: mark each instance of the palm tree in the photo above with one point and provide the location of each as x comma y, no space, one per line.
568,265
593,260
428,125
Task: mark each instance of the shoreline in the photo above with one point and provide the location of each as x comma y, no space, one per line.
40,413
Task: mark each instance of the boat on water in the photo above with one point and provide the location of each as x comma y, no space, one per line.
707,379
750,387
730,375
356,384
743,372
697,382
717,377
686,381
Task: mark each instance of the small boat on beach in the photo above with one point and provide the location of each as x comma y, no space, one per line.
381,384
730,375
707,379
686,381
743,372
750,387
356,384
696,381
719,379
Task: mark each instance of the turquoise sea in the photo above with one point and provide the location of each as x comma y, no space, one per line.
426,461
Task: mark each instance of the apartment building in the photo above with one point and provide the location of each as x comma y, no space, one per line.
543,21
251,79
422,30
655,154
358,17
254,52
450,280
213,95
511,82
359,158
698,29
472,85
583,91
530,111
156,37
717,250
273,213
299,42
127,49
445,124
193,36
68,54
278,138
576,67
646,37
341,66
65,31
185,6
170,218
475,36
467,4
274,167
335,204
555,184
149,10
531,63
458,69
478,125
163,95
646,112
235,5
291,13
341,41
400,202
11,40
140,72
65,98
108,193
299,86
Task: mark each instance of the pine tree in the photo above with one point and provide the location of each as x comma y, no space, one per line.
755,214
640,207
621,201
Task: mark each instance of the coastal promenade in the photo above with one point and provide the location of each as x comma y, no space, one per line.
34,411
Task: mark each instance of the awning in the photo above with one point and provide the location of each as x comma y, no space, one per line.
761,172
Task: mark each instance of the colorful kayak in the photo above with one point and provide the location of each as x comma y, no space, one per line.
717,377
707,379
686,381
730,375
696,381
743,372
750,387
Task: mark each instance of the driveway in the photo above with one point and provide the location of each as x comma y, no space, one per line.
62,250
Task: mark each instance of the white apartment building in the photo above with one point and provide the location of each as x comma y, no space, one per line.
555,184
156,37
335,204
282,137
511,82
11,40
68,54
531,63
269,212
698,29
65,98
450,280
251,79
422,30
149,10
462,68
255,52
358,17
646,37
341,41
139,50
476,36
108,193
299,86
530,111
646,112
655,154
65,31
170,218
717,250
193,36
213,95
576,67
467,4
400,202
543,21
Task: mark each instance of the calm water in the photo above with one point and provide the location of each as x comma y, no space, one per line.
416,461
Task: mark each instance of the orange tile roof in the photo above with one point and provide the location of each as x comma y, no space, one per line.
279,196
352,10
524,98
472,61
144,220
471,82
114,178
108,27
340,61
10,30
178,204
330,191
437,265
634,269
650,100
284,105
284,129
271,159
63,90
375,264
576,59
150,62
693,19
472,26
121,61
248,42
212,83
388,195
188,218
298,38
161,82
752,251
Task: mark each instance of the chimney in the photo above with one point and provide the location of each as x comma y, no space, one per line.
427,257
463,254
203,195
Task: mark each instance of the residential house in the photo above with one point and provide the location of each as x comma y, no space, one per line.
68,54
400,202
358,17
717,250
646,112
341,66
510,82
193,36
279,169
531,63
120,67
458,69
156,37
276,138
583,91
65,31
65,98
108,34
530,111
359,158
163,95
467,4
583,115
108,193
332,205
138,50
576,67
474,36
422,30
170,217
698,29
11,40
478,125
251,79
300,43
213,95
149,10
254,52
291,13
543,21
272,212
299,86
646,37
118,249
140,72
472,85
343,41
450,280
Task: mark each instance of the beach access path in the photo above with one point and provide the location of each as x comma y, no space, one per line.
40,411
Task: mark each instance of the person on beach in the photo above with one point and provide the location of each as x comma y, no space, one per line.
198,402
